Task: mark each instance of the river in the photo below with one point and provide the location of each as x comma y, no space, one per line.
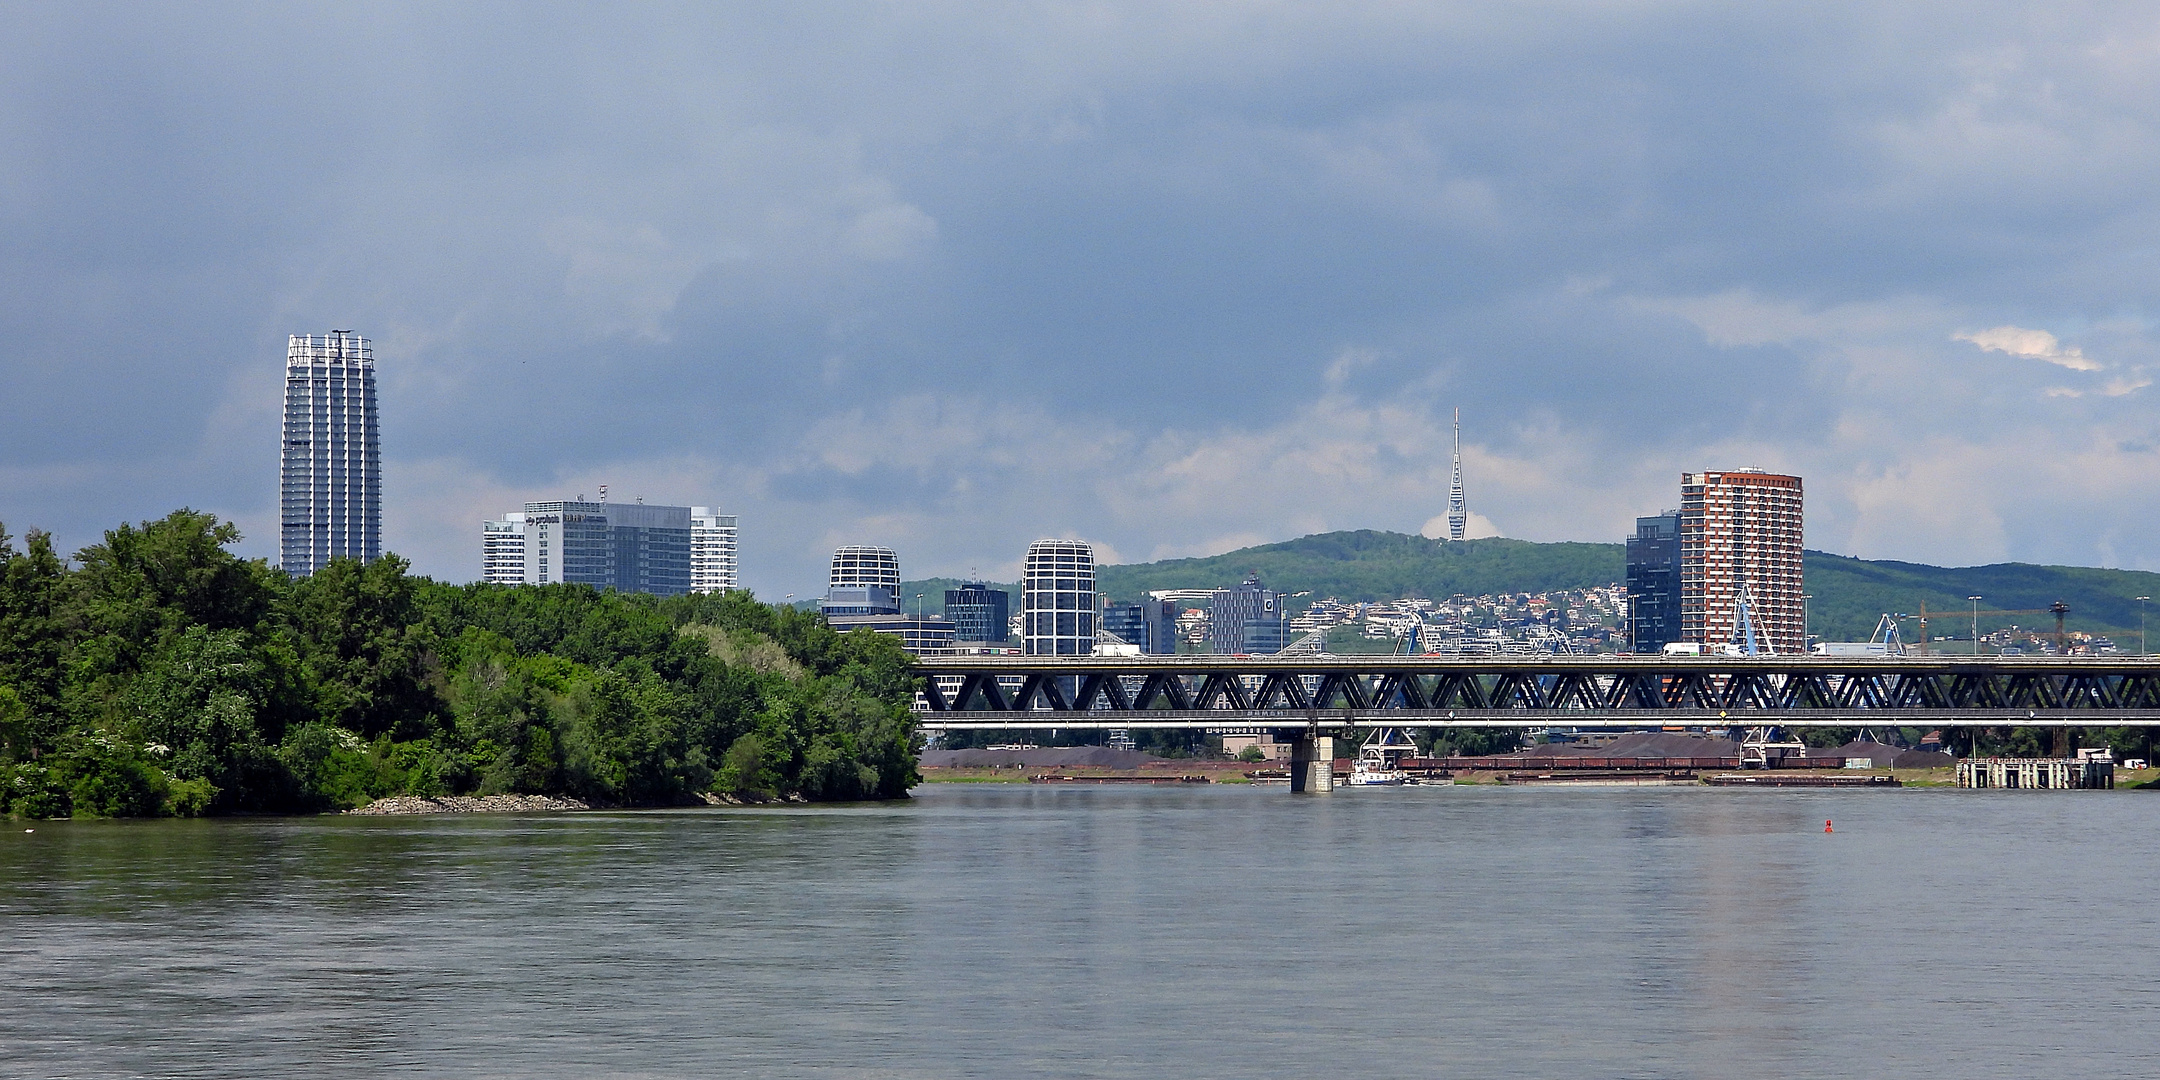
995,930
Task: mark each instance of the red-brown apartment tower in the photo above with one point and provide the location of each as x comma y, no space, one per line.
1741,528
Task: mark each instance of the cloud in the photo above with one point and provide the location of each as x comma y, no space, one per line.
1169,278
1475,527
2031,345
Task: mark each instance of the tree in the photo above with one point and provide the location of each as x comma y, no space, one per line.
33,631
364,648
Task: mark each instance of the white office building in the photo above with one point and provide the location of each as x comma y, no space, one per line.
864,581
712,551
502,550
1057,601
628,547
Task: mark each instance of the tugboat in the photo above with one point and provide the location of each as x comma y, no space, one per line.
1379,761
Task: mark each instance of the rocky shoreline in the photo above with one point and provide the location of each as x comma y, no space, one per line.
469,804
524,804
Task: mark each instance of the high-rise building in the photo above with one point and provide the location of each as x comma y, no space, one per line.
1740,536
1057,598
864,581
1653,582
1247,618
330,472
1458,511
978,612
628,547
1151,625
502,550
712,551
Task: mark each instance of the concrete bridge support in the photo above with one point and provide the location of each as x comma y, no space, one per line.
1312,763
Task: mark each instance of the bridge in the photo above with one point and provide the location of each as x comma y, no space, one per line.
1343,692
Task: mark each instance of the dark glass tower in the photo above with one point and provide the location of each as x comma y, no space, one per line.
330,476
1653,582
979,612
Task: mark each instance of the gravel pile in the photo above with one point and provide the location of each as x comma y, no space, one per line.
468,804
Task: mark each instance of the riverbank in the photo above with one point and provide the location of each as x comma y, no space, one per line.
397,805
468,804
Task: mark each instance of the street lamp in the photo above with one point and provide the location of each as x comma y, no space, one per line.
918,607
1804,598
2141,624
1976,624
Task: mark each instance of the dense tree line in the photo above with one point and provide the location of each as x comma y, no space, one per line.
158,673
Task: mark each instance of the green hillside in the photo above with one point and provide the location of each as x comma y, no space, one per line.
1849,594
1368,565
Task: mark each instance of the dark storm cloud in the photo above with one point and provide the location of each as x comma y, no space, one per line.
954,277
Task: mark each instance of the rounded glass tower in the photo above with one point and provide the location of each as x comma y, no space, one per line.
1058,598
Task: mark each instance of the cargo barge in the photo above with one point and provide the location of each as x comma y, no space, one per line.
1060,778
1783,779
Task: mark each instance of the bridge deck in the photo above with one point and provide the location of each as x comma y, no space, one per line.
1633,691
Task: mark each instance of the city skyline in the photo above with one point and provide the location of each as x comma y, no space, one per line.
1175,281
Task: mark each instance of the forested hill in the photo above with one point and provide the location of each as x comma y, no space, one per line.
157,673
1849,594
1370,565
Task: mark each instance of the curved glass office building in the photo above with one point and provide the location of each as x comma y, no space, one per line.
865,581
1057,600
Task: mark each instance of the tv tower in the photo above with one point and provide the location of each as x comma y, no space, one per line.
1458,515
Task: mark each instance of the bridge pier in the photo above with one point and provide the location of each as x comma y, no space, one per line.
1312,763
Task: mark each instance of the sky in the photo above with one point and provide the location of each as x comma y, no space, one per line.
1173,279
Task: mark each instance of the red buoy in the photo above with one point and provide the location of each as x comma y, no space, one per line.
1826,826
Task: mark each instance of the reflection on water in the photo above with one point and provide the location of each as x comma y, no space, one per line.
998,931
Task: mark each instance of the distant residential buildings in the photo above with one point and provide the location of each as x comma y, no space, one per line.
628,547
330,465
1057,599
713,566
502,550
1247,619
1740,539
1653,582
978,612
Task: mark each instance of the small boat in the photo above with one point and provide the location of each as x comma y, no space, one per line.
1379,761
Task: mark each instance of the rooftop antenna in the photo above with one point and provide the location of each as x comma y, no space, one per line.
1458,515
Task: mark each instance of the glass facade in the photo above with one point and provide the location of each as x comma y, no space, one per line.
1151,625
1057,600
979,612
1653,582
864,581
628,548
1248,619
330,468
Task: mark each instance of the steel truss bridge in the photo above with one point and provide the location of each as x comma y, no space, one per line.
1312,692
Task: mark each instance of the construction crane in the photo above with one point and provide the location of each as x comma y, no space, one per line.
2057,609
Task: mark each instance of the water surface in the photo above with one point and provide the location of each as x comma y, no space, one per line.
1100,932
